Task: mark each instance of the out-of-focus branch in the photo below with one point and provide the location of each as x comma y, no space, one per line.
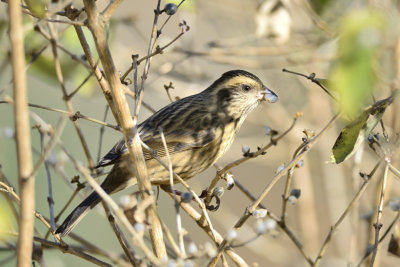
60,78
61,47
72,116
69,250
15,197
97,72
159,50
22,134
109,10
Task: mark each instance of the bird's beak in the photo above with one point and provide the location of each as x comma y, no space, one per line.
267,95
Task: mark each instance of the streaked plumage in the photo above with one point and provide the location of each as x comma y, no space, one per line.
198,129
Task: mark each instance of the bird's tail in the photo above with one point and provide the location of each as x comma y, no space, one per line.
78,213
118,179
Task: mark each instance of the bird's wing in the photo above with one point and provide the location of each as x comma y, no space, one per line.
177,141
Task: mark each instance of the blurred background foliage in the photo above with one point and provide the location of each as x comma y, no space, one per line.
354,44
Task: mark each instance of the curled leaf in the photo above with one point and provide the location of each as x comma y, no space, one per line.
354,134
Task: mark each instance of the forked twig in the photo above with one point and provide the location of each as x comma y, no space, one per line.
344,214
267,189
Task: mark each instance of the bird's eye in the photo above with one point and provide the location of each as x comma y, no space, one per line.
246,88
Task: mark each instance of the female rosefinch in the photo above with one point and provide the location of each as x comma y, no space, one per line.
198,129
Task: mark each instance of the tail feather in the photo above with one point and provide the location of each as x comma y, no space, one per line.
118,179
78,213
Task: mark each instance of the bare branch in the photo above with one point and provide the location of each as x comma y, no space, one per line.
24,155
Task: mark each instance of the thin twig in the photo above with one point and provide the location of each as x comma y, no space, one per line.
169,17
89,247
170,238
217,237
312,77
50,199
378,223
221,172
344,214
36,214
285,196
152,54
110,9
34,57
394,170
51,40
129,252
70,22
205,217
102,129
268,188
171,184
60,78
80,85
119,213
54,138
393,223
97,72
69,250
274,217
73,116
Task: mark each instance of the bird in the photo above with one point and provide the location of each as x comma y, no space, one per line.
198,130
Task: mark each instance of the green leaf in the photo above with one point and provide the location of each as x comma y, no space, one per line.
355,133
37,7
320,5
6,221
354,76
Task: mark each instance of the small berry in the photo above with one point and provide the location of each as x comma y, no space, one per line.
170,9
296,193
186,197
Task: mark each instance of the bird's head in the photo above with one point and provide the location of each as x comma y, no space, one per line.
238,92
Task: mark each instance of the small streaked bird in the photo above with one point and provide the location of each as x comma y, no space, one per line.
198,129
